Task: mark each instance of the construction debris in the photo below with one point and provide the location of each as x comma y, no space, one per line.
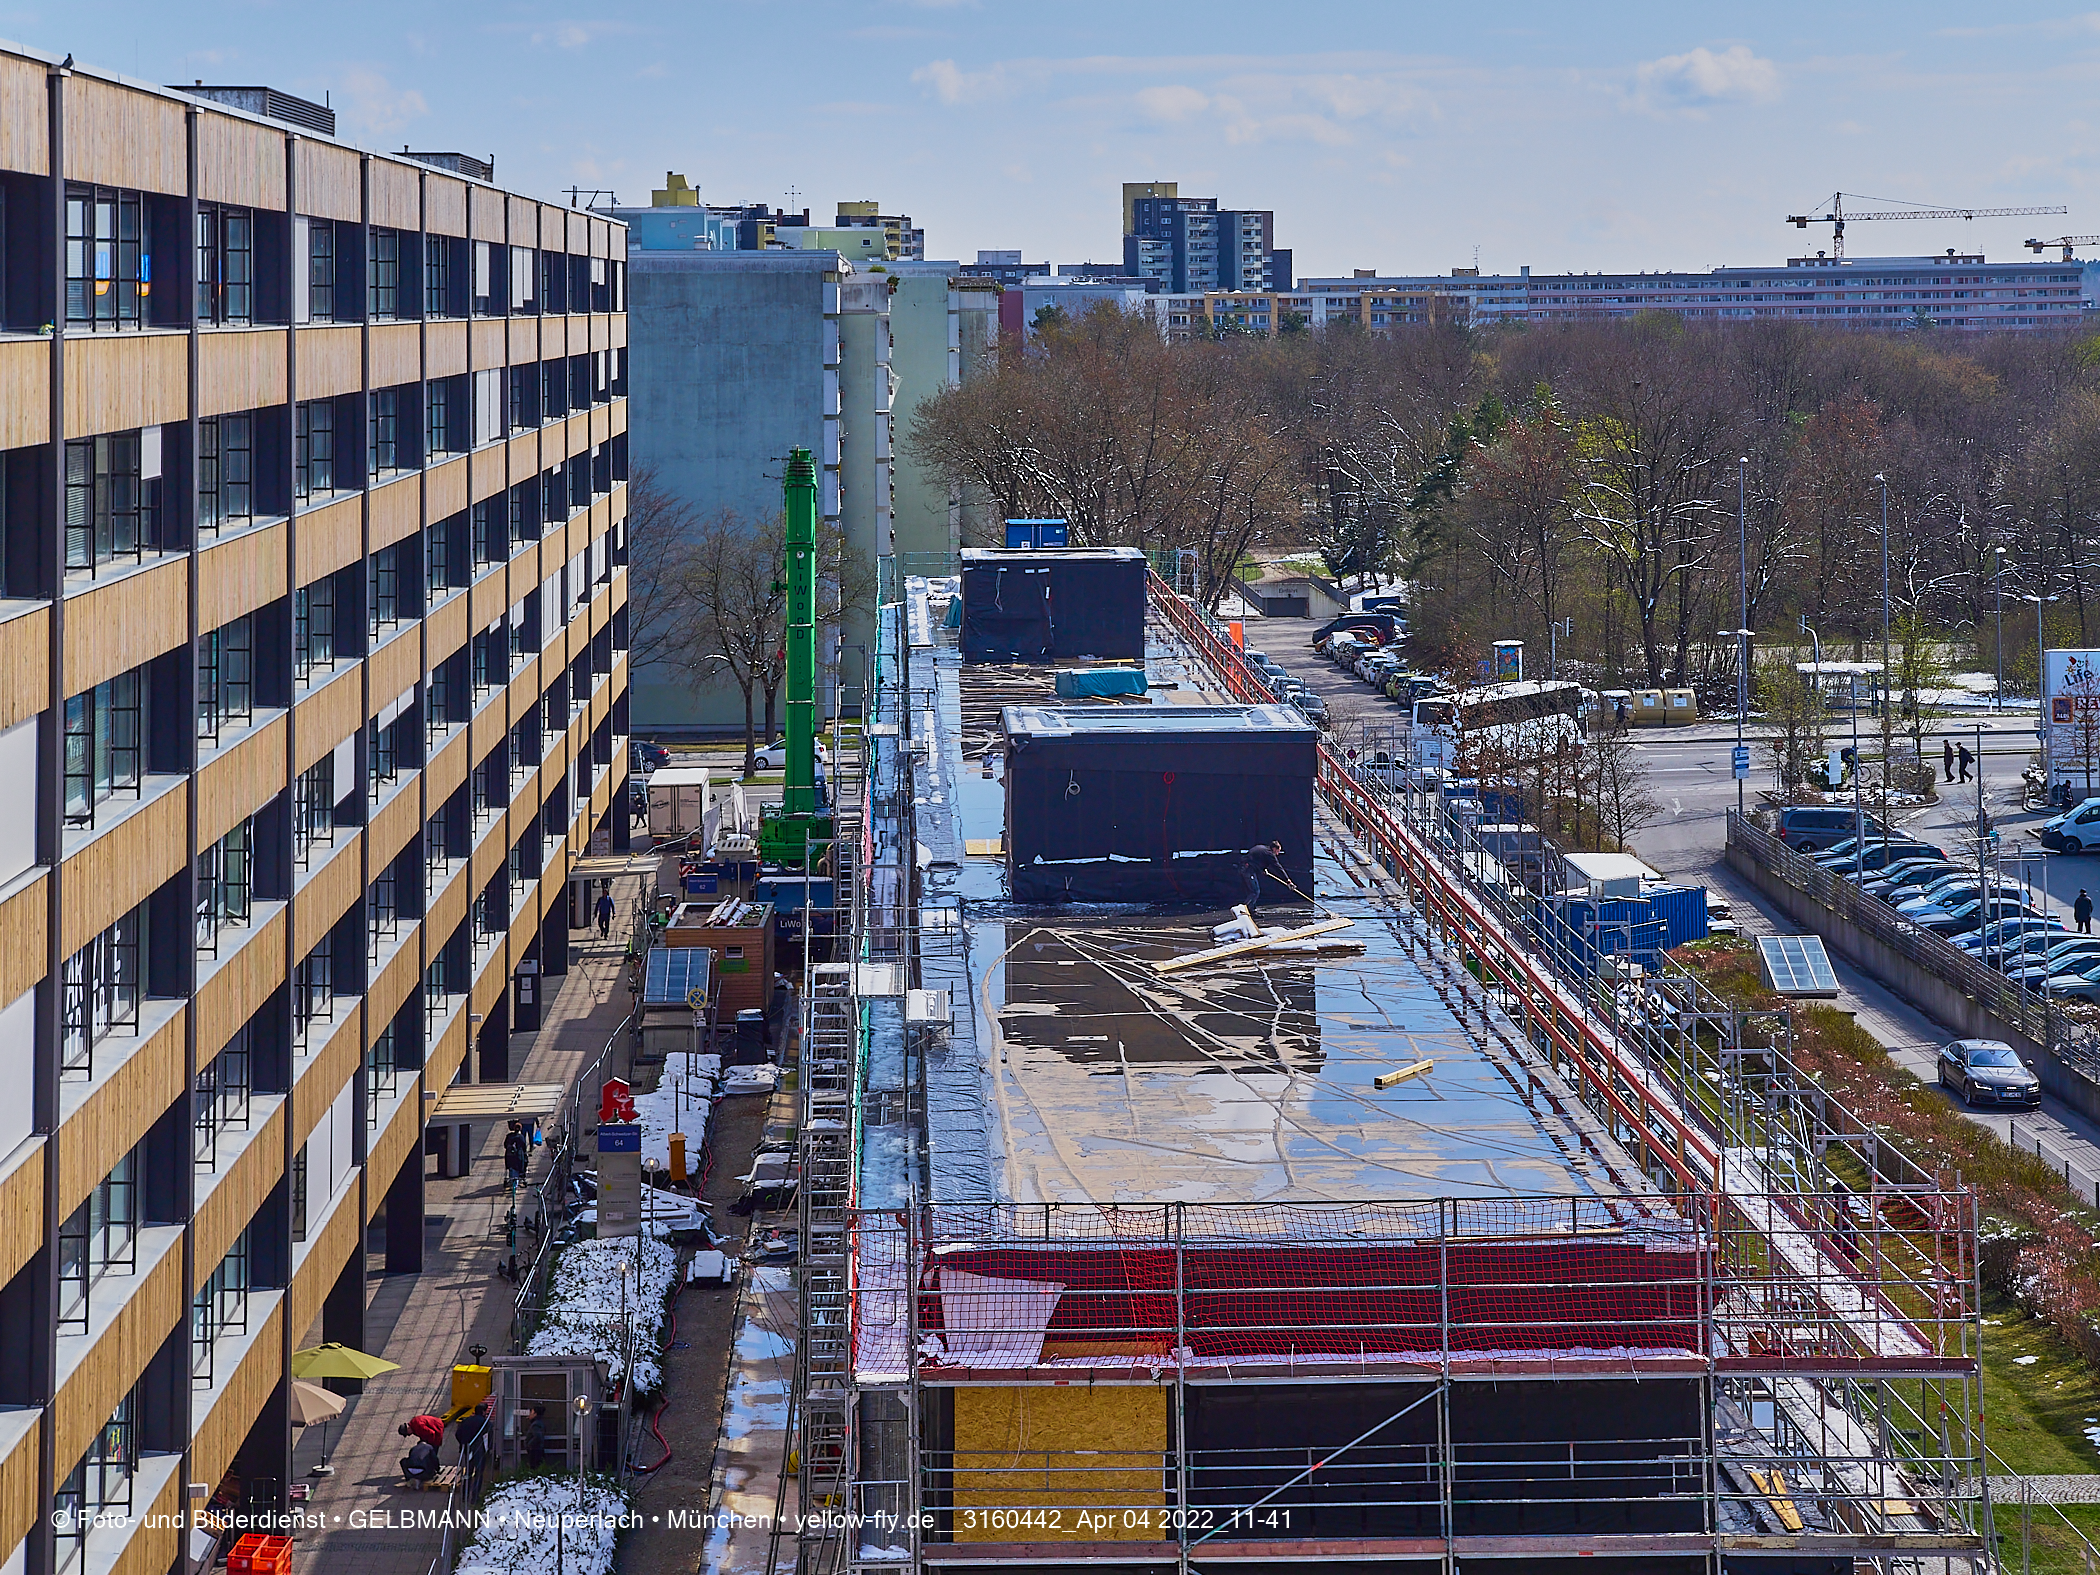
1401,1074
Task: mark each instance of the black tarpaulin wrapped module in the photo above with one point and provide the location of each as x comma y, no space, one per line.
1158,804
1052,605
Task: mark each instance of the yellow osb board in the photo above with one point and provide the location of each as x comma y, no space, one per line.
1043,1465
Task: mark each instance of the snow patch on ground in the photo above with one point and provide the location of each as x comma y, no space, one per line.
520,1517
584,1300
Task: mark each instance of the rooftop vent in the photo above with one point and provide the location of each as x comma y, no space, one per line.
458,163
270,104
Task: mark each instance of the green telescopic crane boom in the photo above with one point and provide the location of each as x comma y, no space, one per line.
799,795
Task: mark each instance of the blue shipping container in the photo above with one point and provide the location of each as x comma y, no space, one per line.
1682,910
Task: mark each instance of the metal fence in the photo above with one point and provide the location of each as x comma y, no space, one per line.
2031,1140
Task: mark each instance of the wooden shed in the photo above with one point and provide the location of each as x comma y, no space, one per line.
740,934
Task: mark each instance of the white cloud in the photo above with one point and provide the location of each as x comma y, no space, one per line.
372,104
952,85
1700,79
1172,102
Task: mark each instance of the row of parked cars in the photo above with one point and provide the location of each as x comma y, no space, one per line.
1288,690
1379,666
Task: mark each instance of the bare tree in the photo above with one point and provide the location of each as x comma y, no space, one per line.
731,599
1621,789
660,527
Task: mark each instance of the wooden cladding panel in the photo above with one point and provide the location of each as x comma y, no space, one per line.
241,573
330,538
618,335
601,238
240,782
393,1147
119,136
326,894
397,353
25,371
444,205
397,510
233,1198
446,908
487,476
25,657
118,1112
155,1544
330,186
240,1402
395,666
524,221
328,716
491,338
487,993
327,1075
485,213
391,991
239,369
397,197
120,382
526,342
237,988
445,489
525,455
23,917
444,349
21,1208
325,1257
25,124
122,622
490,854
123,866
488,599
393,828
18,1470
447,1054
239,162
445,773
554,229
331,360
445,628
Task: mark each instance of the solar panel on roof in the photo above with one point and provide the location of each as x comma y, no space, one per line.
674,973
1796,965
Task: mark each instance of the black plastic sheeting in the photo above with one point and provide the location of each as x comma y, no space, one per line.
1159,816
1052,606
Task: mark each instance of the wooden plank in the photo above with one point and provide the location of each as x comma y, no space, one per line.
1243,948
445,629
119,1110
25,370
330,538
445,488
155,1543
391,1148
231,1200
393,828
331,359
397,510
25,657
239,369
109,1372
485,213
328,1073
330,186
121,136
18,1482
490,340
326,1254
125,621
21,1207
1402,1074
123,865
395,666
391,990
397,353
239,162
241,1398
327,893
329,715
444,205
241,781
397,197
445,348
236,989
25,125
121,382
241,573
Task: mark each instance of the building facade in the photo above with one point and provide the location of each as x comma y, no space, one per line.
1190,245
314,636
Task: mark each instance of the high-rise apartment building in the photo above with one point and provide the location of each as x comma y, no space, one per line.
1191,245
907,242
312,486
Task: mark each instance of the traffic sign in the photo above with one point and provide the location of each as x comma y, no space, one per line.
1742,761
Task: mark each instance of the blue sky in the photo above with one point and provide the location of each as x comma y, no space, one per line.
1392,136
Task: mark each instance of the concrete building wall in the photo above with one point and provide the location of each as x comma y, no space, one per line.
866,443
977,355
925,327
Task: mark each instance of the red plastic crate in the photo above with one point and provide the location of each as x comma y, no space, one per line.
256,1554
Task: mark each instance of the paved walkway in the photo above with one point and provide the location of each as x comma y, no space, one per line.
426,1322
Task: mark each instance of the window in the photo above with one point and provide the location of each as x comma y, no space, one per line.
111,506
98,1487
486,302
383,750
437,417
225,885
384,445
437,276
383,280
109,272
524,513
320,271
524,395
299,1194
225,471
313,449
381,1074
313,808
437,560
554,389
101,1235
221,1097
226,678
486,545
383,908
436,843
99,992
220,1307
313,991
438,701
313,629
384,589
225,264
489,411
103,744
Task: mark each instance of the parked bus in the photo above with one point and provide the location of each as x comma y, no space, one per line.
1496,725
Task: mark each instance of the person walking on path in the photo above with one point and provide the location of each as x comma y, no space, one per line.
605,914
515,1150
1967,760
1947,757
2082,912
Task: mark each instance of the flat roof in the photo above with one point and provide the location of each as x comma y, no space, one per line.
970,555
1045,721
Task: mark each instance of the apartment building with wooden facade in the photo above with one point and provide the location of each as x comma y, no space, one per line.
312,694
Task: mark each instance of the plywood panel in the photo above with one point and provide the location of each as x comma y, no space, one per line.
240,984
241,781
325,1258
396,190
25,657
445,489
21,1208
123,866
25,123
397,354
239,162
444,205
329,183
1103,1449
395,665
327,1074
18,1472
328,716
397,510
491,339
331,360
120,382
115,1116
329,538
119,136
241,573
241,1399
445,349
327,893
122,622
234,1197
485,214
524,340
25,372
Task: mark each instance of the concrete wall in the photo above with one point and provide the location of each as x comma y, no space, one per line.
866,440
926,357
977,336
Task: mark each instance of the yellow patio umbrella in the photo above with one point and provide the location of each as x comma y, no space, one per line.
335,1360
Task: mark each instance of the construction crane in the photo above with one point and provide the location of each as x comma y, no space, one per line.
2066,242
1837,216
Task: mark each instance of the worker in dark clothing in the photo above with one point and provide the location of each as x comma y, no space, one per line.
473,1435
420,1464
1264,858
605,913
515,1150
1947,757
1967,760
536,1438
2082,912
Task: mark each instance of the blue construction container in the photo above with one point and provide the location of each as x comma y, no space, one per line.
1682,910
1582,931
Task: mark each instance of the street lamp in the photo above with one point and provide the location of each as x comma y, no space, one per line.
1998,694
1742,590
1554,632
1742,701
